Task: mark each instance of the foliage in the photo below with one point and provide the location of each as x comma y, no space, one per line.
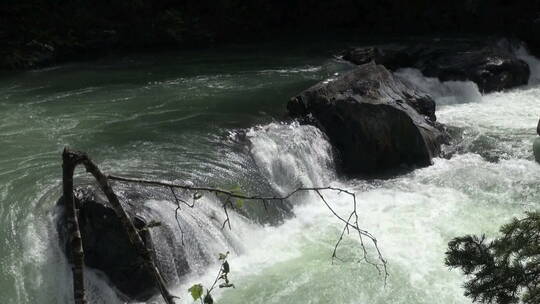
505,270
196,291
223,276
238,191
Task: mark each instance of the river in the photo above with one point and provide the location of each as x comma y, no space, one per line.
175,116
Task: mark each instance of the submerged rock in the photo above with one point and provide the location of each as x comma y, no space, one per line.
374,120
491,147
492,66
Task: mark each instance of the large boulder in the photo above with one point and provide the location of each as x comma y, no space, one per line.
375,121
491,65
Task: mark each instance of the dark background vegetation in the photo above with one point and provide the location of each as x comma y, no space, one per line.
39,32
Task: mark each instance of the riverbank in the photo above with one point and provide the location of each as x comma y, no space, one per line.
43,33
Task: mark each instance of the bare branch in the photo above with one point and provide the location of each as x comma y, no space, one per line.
353,216
345,228
227,220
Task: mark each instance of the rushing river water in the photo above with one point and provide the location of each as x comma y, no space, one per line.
175,116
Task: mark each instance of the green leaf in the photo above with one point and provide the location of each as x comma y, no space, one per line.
236,190
197,195
196,291
239,203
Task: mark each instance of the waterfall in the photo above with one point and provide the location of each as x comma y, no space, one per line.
292,155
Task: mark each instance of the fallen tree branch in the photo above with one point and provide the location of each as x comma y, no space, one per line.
71,160
350,223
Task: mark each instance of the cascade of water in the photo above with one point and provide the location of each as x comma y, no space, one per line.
292,155
444,93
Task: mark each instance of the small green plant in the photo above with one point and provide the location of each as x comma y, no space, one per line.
197,290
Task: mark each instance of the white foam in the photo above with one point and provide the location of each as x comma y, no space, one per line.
292,155
444,93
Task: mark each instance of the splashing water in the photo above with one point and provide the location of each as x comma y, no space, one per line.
533,62
444,93
292,156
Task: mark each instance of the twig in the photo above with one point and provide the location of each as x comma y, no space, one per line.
177,200
227,220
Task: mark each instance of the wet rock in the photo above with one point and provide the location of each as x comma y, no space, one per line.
375,121
536,149
491,65
486,146
107,247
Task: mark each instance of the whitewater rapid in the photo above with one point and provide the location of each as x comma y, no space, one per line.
489,179
413,216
